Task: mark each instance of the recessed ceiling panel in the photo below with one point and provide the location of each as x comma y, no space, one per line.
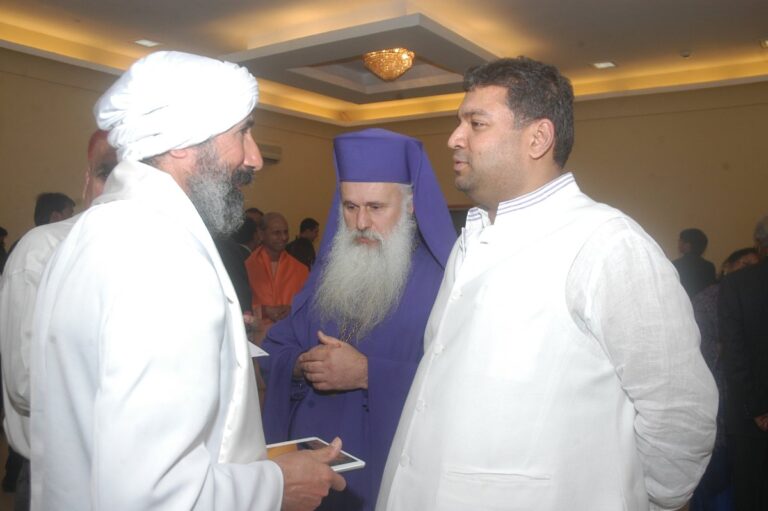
331,63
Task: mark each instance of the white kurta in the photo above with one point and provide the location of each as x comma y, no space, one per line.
561,370
18,293
143,392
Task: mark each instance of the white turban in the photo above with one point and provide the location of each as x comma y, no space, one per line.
171,100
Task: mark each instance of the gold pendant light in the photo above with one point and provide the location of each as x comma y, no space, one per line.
389,64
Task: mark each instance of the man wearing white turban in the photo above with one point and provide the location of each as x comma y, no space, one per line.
143,392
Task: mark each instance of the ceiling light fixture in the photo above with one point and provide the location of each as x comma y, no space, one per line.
146,42
604,65
764,44
389,64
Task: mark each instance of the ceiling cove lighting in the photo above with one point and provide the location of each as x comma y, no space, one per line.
389,64
604,65
147,43
764,44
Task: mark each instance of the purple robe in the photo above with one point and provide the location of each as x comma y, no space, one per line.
365,420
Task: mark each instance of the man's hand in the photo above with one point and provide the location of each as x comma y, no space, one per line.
762,421
307,477
334,365
249,321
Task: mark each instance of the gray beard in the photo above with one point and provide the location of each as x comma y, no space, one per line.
361,283
215,194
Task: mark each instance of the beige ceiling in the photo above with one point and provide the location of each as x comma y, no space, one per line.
305,52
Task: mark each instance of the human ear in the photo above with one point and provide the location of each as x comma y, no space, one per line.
179,154
542,138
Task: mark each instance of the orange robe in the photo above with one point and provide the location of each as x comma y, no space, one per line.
277,289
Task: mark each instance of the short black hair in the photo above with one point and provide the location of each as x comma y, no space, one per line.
738,254
48,203
696,239
3,232
308,224
534,91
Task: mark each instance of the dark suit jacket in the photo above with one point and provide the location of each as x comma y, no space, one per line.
743,315
696,273
233,255
303,250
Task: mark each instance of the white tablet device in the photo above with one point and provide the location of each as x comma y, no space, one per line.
343,462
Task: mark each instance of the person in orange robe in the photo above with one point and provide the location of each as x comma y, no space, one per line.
275,276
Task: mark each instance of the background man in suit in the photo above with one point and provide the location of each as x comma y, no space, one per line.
696,273
743,314
302,248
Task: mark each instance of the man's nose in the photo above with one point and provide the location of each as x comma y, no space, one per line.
253,157
363,219
457,137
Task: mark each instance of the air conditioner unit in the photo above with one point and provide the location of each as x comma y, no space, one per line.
271,153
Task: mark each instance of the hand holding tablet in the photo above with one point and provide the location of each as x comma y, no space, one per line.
342,463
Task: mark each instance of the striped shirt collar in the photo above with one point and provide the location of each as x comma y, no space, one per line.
524,201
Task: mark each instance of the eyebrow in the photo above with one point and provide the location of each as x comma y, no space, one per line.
247,123
369,203
470,113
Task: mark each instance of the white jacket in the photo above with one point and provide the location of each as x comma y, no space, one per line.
561,370
143,391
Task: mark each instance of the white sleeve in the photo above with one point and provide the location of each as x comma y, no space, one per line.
628,295
18,291
18,294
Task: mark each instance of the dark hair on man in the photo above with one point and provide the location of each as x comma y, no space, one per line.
246,231
534,91
696,239
3,232
255,210
308,224
739,254
761,232
49,203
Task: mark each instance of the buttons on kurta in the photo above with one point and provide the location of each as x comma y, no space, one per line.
404,460
420,405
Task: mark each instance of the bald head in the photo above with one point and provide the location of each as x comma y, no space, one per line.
102,158
274,235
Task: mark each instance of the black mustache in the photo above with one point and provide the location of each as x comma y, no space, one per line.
243,176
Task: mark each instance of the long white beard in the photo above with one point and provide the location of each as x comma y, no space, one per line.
362,283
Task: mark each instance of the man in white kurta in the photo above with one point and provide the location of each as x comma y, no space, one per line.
143,391
561,366
18,293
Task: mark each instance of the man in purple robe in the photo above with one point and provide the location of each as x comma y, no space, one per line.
342,363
